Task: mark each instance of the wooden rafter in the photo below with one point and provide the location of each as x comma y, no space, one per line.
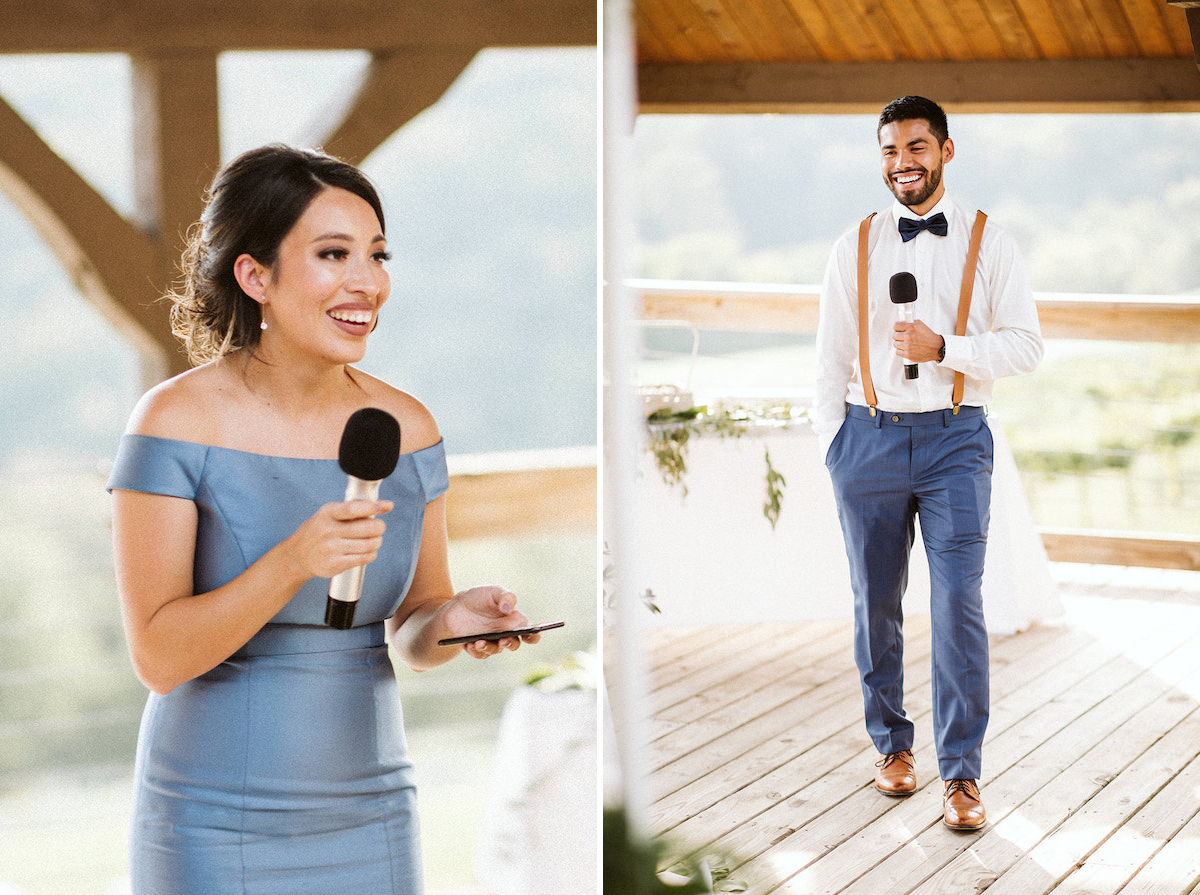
396,87
88,26
1085,85
107,257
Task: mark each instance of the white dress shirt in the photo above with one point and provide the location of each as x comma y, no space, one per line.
1003,337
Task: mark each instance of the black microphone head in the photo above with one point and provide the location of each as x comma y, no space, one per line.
370,447
903,288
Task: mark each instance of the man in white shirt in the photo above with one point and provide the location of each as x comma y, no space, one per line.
899,447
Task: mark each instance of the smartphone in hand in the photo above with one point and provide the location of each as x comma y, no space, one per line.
500,635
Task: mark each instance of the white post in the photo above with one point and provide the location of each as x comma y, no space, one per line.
623,427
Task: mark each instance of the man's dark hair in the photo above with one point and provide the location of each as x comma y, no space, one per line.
909,108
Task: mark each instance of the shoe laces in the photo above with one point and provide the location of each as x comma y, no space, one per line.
962,786
892,757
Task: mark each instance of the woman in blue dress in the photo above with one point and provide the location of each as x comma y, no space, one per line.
272,757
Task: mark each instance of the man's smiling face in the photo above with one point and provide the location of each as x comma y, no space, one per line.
912,163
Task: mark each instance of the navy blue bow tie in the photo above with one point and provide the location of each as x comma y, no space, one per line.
935,225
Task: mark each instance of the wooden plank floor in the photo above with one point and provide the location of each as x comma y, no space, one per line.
1091,769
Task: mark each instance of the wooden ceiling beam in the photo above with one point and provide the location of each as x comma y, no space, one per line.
1084,85
144,25
176,140
396,87
176,153
110,259
123,267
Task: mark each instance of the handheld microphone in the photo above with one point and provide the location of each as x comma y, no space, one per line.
368,453
903,289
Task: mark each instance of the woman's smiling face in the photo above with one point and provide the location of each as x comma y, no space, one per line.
329,280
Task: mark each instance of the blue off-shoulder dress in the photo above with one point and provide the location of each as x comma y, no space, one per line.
284,770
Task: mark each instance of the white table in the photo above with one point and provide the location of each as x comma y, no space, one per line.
712,558
541,828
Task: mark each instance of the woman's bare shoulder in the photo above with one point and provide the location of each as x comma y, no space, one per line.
186,407
418,429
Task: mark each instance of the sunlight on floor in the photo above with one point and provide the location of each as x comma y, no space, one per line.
1172,603
1021,831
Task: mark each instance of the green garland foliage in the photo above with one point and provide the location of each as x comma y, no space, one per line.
775,485
669,431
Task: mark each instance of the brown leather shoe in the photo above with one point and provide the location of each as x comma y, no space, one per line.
962,808
896,775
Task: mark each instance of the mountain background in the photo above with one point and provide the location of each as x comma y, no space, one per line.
1097,203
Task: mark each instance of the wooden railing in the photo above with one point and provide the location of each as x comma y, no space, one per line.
771,308
755,308
522,493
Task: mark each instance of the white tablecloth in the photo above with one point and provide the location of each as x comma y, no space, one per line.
712,557
540,829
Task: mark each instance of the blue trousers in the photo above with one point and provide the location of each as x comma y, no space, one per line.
886,471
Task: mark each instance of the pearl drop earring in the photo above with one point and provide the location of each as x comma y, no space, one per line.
263,326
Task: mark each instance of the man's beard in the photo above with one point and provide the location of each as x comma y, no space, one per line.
933,179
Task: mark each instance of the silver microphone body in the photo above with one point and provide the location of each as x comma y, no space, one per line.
903,290
346,587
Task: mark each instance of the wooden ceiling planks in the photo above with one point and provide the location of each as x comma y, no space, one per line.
725,28
1116,31
1150,28
1049,29
1010,27
985,44
1086,37
791,40
684,26
811,16
866,29
653,44
952,41
904,30
919,32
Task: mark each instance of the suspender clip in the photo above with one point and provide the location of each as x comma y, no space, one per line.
872,409
956,406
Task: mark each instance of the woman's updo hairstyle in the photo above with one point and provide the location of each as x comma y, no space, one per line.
251,206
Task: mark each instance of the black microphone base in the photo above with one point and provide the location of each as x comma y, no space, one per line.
911,371
340,613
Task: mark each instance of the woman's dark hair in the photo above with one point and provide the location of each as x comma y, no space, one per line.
909,108
253,203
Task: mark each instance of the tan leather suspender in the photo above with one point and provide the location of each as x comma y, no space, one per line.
960,328
864,354
964,300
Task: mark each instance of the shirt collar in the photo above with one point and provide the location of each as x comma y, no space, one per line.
944,205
